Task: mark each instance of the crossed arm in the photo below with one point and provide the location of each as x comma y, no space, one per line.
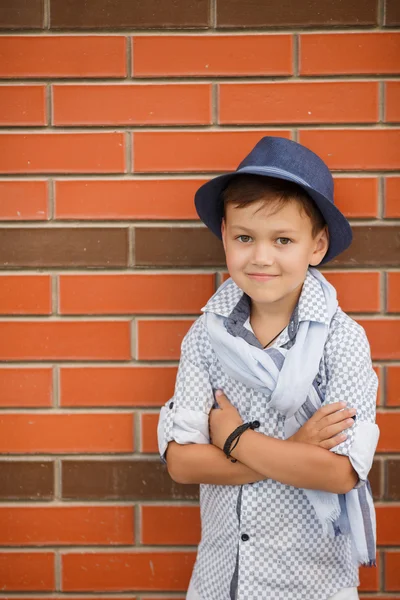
302,461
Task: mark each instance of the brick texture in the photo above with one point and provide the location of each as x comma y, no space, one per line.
113,113
302,14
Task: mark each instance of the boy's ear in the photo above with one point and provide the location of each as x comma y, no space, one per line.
321,247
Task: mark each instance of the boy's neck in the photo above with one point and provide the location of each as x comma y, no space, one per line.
275,314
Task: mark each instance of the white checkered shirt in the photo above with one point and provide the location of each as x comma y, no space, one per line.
286,556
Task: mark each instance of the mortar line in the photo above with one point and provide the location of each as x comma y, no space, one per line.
133,337
128,139
381,197
49,104
381,102
296,55
56,388
215,108
213,14
50,198
131,247
129,57
381,13
57,571
46,15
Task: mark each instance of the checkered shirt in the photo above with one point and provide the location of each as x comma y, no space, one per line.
286,556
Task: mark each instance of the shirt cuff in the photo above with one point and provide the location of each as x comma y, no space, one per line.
363,448
188,427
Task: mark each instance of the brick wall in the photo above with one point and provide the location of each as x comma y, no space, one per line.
112,114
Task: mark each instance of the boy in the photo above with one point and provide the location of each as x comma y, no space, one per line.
260,379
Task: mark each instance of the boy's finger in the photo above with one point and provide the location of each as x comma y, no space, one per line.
328,409
333,430
334,441
339,416
222,400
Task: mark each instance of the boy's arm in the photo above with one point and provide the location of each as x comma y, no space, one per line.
292,463
296,464
350,377
205,463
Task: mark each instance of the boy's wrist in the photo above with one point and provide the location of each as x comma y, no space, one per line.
239,450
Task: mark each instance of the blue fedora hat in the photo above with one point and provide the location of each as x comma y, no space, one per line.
283,159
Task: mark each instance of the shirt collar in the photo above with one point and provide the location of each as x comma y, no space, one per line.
310,307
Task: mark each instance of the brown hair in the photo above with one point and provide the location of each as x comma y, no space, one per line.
245,189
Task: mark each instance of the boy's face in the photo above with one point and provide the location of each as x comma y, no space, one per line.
268,250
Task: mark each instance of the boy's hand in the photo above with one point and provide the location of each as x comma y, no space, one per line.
325,427
223,420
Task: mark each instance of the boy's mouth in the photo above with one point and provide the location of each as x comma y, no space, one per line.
261,276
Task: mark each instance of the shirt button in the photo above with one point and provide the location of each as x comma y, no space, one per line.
245,537
171,404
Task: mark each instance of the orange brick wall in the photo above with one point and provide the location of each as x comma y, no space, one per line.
111,115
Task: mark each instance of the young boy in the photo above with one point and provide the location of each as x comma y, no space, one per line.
286,507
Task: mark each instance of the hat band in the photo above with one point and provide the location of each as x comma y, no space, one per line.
275,171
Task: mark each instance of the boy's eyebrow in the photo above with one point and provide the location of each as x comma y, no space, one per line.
274,232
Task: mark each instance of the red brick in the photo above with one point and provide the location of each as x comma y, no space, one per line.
141,294
60,525
62,153
389,424
194,150
392,203
22,387
27,571
392,109
357,197
23,105
207,56
355,149
294,102
25,294
392,571
393,300
388,525
66,433
125,571
357,292
63,56
370,577
357,53
156,104
374,597
148,428
383,336
161,339
23,201
145,199
393,385
116,386
159,525
65,340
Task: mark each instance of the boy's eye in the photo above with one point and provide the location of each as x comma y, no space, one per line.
244,238
284,241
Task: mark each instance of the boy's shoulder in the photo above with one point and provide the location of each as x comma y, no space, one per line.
196,345
346,336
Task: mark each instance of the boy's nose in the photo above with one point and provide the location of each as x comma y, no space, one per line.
263,255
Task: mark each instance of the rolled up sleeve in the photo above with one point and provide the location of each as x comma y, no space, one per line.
351,378
184,418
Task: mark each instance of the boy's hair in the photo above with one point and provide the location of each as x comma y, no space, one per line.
245,189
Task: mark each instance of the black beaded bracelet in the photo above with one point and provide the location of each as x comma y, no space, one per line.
235,435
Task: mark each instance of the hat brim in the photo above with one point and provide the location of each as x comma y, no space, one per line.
210,209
